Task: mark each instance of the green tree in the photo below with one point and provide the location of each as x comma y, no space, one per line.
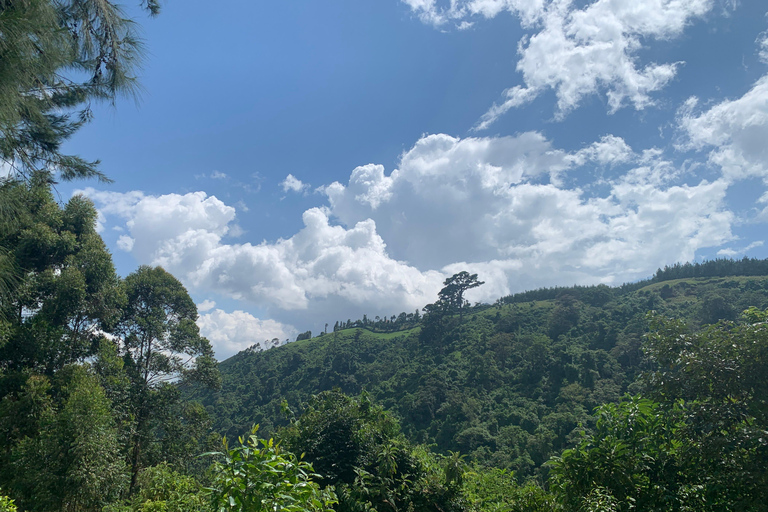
450,301
161,489
357,447
497,490
257,475
453,292
55,58
161,344
69,459
720,374
67,291
632,460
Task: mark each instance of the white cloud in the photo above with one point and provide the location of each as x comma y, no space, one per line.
206,305
762,47
321,270
125,243
230,333
609,150
216,175
497,203
429,11
730,252
497,206
293,184
734,131
579,52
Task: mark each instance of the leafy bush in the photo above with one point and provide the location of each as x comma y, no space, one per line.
6,504
160,489
258,476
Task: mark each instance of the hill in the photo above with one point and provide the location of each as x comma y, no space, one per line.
509,386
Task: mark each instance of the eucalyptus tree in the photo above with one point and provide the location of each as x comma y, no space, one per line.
161,345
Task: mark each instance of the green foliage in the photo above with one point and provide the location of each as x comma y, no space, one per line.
67,455
497,490
357,448
720,374
340,434
161,343
7,504
257,475
68,428
700,446
631,460
56,57
160,337
69,288
497,388
160,489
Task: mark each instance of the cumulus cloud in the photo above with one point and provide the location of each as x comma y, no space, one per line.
496,206
229,333
321,270
384,243
733,131
609,150
578,52
293,184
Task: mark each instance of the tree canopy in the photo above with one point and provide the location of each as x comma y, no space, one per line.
55,58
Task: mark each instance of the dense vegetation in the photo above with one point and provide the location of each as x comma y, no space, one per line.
464,410
111,400
509,386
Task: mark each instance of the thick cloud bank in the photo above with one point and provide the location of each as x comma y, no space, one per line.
499,206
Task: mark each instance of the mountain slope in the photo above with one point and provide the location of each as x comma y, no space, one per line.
509,386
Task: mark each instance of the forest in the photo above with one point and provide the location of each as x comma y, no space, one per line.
648,396
597,399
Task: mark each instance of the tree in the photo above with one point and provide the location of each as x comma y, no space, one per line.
720,375
357,447
633,460
455,286
451,297
55,58
66,290
698,443
161,344
68,456
162,489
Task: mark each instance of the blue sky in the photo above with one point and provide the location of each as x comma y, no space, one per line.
297,163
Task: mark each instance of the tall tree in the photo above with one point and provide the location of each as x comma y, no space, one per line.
161,344
451,297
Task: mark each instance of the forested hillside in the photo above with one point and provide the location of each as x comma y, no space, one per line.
649,396
509,384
